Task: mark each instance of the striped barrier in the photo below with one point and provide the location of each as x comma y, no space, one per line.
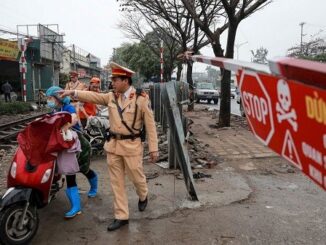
23,68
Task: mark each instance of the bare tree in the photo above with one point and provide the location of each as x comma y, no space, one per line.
134,28
233,12
172,14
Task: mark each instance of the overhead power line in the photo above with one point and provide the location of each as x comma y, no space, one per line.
15,33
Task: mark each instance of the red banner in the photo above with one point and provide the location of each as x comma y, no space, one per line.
290,118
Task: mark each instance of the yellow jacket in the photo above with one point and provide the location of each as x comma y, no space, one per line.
127,147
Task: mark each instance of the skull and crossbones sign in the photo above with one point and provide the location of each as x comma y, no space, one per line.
284,105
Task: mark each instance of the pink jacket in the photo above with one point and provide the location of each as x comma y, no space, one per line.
67,159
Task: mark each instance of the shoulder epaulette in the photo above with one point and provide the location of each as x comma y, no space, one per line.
144,94
141,92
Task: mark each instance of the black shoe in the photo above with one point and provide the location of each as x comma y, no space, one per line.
116,224
142,205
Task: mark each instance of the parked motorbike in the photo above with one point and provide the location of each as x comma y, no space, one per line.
95,131
31,184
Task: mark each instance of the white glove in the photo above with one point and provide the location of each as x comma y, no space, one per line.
67,135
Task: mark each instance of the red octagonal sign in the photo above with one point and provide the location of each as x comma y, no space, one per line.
257,105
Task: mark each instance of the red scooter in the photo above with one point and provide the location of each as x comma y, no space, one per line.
32,182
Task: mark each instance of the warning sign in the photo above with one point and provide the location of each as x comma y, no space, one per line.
290,118
289,151
285,104
257,104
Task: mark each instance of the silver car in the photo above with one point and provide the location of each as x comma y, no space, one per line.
206,91
233,91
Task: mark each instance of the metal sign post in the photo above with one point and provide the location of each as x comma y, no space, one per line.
176,128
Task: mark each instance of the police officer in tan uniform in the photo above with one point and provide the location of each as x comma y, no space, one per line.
128,111
74,83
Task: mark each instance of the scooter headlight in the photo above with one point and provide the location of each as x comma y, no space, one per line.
46,176
13,170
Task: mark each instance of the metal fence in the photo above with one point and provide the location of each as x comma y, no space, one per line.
167,100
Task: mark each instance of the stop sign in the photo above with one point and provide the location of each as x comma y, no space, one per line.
257,105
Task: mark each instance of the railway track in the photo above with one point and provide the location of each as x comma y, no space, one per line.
9,131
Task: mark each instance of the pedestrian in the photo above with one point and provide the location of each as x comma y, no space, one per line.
86,109
6,89
57,103
129,112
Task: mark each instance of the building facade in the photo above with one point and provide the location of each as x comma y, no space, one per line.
86,64
46,60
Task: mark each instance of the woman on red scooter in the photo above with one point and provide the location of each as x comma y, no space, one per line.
63,104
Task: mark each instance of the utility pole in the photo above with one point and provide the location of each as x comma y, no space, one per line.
301,36
161,60
52,44
52,39
238,45
114,53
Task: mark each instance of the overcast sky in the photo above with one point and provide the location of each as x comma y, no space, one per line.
92,24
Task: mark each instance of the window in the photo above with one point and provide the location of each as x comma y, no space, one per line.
205,86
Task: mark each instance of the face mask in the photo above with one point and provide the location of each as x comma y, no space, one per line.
51,104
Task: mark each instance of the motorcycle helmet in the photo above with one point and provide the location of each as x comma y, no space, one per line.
53,91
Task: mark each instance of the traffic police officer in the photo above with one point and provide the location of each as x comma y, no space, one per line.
129,111
74,83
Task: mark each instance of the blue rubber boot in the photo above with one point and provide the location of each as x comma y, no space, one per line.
74,198
93,182
68,195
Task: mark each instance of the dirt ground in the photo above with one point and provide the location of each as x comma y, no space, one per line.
252,197
9,118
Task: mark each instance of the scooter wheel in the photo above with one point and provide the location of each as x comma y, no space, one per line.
10,232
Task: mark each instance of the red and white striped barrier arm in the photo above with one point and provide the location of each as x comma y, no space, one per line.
309,72
313,73
230,64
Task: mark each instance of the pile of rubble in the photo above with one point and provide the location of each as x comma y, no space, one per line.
198,151
239,122
199,155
